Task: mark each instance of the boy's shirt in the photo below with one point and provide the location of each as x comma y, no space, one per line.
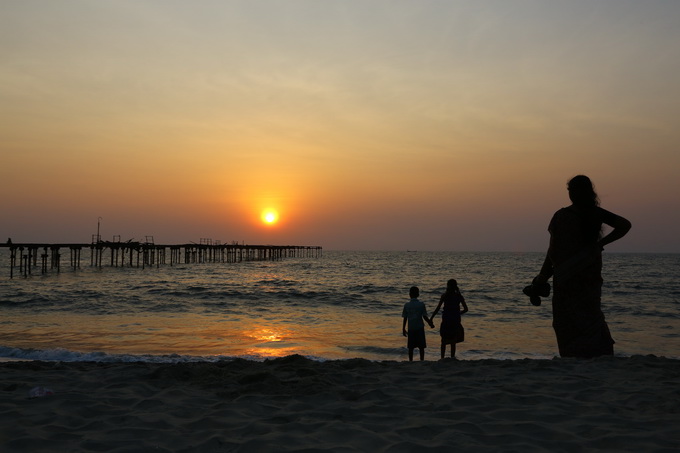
414,310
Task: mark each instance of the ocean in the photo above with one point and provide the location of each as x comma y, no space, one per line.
338,306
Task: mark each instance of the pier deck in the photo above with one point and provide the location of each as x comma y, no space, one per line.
28,257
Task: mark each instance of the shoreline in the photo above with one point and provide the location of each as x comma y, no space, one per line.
293,403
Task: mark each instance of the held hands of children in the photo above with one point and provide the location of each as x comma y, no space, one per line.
429,321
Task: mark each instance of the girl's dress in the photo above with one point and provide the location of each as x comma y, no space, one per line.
451,329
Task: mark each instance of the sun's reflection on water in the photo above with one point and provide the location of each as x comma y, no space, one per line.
270,342
269,335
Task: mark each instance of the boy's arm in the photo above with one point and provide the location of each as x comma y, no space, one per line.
426,319
403,328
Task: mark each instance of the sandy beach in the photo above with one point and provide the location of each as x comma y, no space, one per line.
295,404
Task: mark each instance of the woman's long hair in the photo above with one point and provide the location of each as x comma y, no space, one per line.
582,194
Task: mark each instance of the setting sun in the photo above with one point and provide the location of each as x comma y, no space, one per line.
269,216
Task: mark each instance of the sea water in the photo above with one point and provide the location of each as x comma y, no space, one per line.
341,305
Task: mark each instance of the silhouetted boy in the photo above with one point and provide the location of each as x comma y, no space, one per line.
415,313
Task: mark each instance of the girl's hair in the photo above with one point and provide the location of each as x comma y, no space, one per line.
452,286
582,194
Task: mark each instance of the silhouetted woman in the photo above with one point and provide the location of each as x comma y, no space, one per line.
574,260
451,329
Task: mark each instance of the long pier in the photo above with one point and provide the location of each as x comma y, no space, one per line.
28,258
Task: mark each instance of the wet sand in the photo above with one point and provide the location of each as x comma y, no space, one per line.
295,404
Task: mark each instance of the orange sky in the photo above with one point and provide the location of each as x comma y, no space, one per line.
367,125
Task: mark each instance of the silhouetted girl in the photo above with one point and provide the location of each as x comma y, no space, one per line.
451,329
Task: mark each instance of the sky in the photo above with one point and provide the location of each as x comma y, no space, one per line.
366,125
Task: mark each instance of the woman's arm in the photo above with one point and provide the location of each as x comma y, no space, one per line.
620,226
465,307
546,271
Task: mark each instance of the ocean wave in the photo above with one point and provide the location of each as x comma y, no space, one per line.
65,355
375,350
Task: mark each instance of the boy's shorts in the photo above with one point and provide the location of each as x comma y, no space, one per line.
416,339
